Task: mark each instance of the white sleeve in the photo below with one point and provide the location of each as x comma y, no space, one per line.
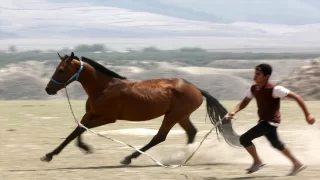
280,92
249,94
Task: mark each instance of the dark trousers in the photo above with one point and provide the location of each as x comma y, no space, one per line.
263,128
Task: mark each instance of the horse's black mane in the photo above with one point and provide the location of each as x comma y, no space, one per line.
99,67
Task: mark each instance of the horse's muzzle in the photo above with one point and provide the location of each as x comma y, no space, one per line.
50,91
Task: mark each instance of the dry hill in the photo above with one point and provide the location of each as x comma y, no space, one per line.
305,81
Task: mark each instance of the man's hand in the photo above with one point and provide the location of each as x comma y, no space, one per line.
310,119
230,115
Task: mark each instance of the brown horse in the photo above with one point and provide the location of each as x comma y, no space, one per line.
112,97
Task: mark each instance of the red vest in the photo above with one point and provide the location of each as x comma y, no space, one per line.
268,106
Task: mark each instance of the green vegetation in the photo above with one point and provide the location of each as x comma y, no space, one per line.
191,56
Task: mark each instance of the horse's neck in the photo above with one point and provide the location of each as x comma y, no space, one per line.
94,82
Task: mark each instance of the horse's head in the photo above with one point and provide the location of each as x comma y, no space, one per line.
65,73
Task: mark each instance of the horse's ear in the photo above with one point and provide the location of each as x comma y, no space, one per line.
60,57
70,57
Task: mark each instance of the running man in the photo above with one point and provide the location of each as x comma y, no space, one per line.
268,98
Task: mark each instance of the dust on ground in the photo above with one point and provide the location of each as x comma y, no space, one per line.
29,129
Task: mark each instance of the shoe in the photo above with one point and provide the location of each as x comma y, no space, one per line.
255,168
297,170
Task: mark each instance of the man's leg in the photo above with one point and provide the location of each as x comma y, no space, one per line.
289,155
273,138
253,152
246,141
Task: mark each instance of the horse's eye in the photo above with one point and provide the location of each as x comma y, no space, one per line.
60,70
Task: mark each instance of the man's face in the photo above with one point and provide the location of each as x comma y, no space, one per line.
259,77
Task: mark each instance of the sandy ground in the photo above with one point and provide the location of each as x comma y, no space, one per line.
29,129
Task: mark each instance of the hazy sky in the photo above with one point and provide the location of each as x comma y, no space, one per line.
282,19
266,11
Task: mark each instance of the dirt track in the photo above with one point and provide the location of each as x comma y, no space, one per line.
29,129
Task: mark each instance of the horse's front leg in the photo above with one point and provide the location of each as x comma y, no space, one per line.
89,121
94,122
86,148
77,132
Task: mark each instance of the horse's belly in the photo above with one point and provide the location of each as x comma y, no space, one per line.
143,111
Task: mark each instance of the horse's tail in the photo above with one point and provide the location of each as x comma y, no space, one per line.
217,112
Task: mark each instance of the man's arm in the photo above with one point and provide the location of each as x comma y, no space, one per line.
280,92
300,101
243,104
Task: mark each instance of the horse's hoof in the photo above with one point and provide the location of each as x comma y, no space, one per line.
46,158
89,152
85,148
125,161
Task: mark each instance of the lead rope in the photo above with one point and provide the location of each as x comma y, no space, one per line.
153,159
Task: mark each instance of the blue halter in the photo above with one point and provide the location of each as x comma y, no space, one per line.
76,75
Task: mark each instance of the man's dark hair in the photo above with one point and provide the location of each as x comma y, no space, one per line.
265,68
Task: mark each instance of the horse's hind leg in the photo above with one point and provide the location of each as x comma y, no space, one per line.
161,136
189,128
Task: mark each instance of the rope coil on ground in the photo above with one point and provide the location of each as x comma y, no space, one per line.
152,158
